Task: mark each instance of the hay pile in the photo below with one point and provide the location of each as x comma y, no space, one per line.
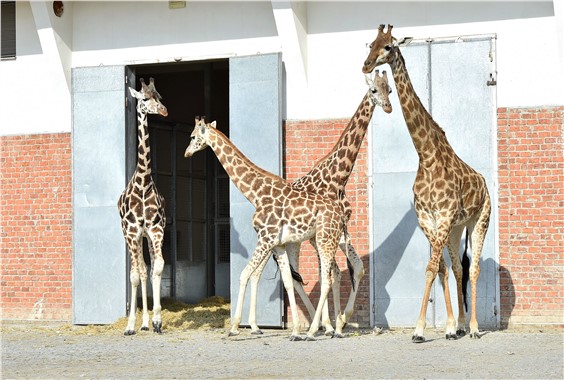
210,313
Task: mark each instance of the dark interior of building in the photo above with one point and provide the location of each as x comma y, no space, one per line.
196,190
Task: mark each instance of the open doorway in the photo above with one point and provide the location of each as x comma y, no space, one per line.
196,249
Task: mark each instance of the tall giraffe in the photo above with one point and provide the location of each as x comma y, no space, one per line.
329,178
448,194
142,211
283,216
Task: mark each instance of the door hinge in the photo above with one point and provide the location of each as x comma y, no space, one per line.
492,81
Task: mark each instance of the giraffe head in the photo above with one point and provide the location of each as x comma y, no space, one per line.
148,99
383,49
199,137
379,90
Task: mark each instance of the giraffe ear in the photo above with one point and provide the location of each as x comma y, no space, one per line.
135,94
213,124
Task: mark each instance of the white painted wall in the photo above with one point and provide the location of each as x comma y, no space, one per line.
324,46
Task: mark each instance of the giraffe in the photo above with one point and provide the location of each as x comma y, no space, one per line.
142,211
448,194
329,177
283,215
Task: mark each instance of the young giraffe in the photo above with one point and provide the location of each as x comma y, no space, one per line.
329,177
448,194
283,215
142,211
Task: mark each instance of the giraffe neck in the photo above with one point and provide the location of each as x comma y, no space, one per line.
426,134
143,168
248,177
333,171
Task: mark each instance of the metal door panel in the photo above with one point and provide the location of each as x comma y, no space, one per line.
255,127
462,101
464,106
401,249
401,245
98,134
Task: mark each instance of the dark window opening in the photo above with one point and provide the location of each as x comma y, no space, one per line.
8,42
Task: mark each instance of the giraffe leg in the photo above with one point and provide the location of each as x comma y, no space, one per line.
336,289
327,239
255,278
325,319
325,278
287,280
357,268
450,332
262,250
453,246
478,237
293,252
157,265
134,247
143,277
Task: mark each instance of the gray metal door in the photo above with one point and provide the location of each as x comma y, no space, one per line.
255,127
99,177
450,77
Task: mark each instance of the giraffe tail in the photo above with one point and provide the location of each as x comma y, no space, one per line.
465,272
296,276
351,273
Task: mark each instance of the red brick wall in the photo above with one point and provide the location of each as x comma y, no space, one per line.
531,214
305,143
35,226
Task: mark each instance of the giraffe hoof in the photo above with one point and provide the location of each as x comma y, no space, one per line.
475,335
451,337
157,327
330,333
233,333
418,339
257,332
460,333
310,339
295,338
340,336
129,332
144,328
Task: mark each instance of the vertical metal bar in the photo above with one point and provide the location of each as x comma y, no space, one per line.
173,232
209,196
429,77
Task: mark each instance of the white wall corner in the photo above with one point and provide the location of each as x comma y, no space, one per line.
291,23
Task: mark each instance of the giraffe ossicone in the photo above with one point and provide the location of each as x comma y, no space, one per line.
142,211
449,195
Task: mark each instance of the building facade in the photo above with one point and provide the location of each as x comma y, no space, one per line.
282,78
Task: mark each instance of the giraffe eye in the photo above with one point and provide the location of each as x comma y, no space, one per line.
387,48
